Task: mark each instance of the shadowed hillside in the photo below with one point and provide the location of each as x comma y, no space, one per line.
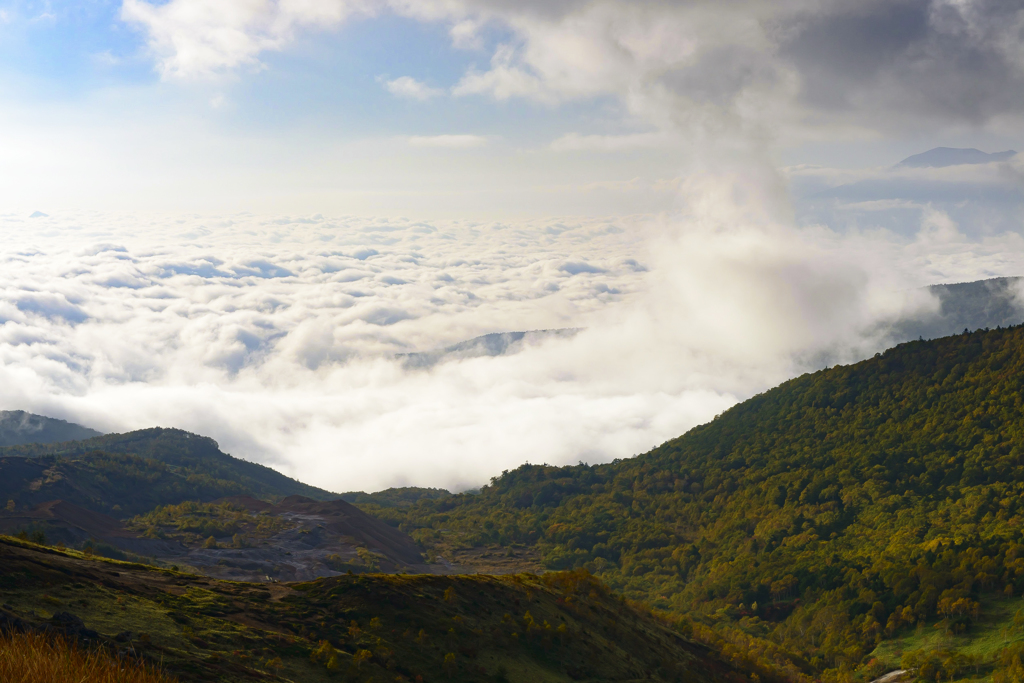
976,305
239,538
244,539
523,629
137,471
18,427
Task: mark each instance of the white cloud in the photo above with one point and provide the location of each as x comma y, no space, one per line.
195,38
406,86
273,334
796,68
453,141
104,58
465,34
192,319
505,79
574,142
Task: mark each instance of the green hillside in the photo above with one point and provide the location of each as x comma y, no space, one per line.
136,472
806,525
394,497
557,628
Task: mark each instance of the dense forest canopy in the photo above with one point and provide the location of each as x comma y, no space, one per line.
805,525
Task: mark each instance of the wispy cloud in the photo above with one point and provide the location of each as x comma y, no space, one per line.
574,142
406,86
452,141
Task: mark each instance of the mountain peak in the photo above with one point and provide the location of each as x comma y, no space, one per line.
940,157
18,427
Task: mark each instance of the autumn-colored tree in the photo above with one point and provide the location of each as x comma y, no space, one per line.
360,656
449,664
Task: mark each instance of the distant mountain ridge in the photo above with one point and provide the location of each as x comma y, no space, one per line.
137,471
941,157
394,497
996,302
18,427
493,344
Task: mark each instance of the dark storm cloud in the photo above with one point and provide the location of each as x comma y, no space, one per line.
915,58
784,66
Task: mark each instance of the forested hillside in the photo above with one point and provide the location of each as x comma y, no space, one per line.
394,497
807,524
127,474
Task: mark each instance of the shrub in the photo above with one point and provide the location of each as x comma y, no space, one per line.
104,550
42,659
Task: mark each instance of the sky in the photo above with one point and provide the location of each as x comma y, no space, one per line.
234,217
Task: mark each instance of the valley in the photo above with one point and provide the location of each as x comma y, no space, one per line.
511,341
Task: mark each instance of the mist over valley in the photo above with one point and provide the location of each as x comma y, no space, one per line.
527,342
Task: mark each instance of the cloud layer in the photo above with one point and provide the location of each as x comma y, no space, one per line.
210,323
277,335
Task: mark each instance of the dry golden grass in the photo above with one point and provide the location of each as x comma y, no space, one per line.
34,658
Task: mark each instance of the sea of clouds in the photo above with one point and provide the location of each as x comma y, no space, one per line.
280,336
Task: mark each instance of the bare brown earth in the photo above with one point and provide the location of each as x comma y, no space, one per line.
316,539
348,521
321,539
70,524
493,559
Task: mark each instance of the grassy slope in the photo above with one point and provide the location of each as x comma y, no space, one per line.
488,628
994,631
831,502
36,658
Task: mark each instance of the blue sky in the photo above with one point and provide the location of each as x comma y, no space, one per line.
522,108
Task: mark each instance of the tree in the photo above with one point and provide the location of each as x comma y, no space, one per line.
449,664
360,656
